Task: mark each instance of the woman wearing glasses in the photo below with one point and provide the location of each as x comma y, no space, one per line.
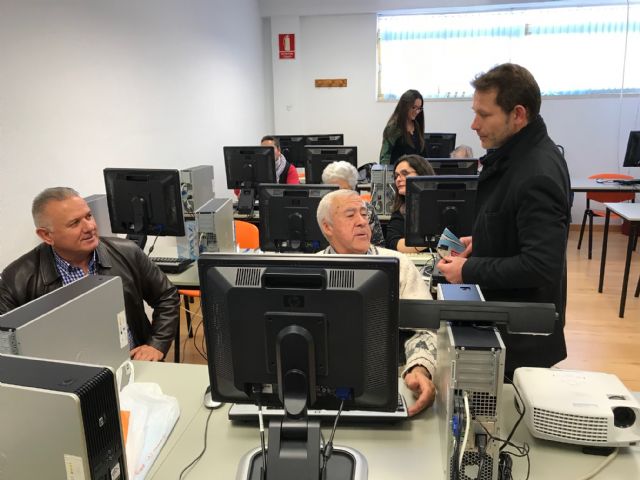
404,133
407,166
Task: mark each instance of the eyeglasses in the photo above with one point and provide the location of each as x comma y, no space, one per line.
417,109
404,174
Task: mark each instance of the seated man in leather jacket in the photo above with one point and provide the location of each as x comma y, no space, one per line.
71,249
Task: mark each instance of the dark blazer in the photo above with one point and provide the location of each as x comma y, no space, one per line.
35,274
520,236
395,230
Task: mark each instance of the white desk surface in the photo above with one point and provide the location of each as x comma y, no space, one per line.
592,185
409,449
628,211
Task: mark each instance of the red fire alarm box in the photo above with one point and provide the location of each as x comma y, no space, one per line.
287,45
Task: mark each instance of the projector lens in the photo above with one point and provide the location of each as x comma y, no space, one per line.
623,417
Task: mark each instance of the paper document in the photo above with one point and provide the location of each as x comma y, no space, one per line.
449,244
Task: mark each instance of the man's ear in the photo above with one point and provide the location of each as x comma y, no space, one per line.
327,229
45,235
520,117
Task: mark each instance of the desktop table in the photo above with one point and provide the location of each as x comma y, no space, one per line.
631,213
409,449
593,185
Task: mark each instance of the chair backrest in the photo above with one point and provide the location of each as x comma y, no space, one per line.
611,197
247,234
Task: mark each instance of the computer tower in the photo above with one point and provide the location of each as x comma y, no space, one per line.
59,420
382,188
215,226
197,188
83,321
100,211
471,361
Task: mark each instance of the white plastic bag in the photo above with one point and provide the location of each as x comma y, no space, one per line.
151,419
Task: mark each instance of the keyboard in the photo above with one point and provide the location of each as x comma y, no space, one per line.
631,181
249,413
171,265
420,258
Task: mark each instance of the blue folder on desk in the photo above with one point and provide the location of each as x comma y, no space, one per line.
465,292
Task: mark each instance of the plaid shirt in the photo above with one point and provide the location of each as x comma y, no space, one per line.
70,274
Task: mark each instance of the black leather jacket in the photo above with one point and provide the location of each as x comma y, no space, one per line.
34,274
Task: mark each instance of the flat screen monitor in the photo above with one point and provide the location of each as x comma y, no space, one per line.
319,156
144,202
292,147
246,167
344,309
439,145
454,166
632,157
439,202
325,139
288,220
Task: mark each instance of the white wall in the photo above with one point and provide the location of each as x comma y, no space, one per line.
88,84
593,130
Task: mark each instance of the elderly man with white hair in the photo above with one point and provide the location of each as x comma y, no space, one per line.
344,221
345,175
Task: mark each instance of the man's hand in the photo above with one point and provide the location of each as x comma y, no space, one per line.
418,380
146,352
451,268
468,243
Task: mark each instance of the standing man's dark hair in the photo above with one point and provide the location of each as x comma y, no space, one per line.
514,85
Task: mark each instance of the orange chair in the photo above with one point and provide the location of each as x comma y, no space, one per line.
247,234
602,197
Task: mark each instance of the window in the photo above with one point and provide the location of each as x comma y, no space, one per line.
569,50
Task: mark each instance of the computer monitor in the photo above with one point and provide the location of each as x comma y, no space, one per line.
301,331
326,139
632,157
439,145
288,220
433,203
319,156
454,166
292,147
246,167
144,201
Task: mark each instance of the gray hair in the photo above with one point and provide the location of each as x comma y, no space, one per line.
324,213
46,196
462,151
341,171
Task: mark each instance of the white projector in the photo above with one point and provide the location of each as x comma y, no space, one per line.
583,408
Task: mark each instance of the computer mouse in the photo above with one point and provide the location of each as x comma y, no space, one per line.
208,401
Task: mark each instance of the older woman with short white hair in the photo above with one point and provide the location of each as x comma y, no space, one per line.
345,176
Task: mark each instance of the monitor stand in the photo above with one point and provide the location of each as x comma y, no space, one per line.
344,464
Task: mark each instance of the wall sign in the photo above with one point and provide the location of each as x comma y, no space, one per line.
287,45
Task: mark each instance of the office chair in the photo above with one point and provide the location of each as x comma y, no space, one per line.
188,297
602,197
247,234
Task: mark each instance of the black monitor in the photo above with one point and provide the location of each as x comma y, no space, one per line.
292,147
301,331
439,145
433,203
632,157
246,167
454,166
319,156
288,220
143,202
326,139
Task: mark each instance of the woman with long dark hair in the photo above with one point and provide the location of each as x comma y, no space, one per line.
406,166
404,133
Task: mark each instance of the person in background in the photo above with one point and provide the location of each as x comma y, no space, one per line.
404,133
407,166
462,151
517,251
285,171
345,175
343,219
71,249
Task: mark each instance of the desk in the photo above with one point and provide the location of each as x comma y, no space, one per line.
409,449
592,185
631,213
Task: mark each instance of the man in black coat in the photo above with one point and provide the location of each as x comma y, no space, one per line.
517,251
71,249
